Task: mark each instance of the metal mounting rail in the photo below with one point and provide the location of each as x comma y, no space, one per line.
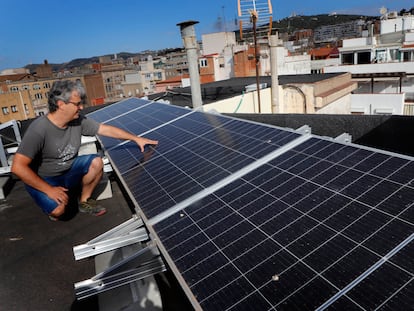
130,232
144,263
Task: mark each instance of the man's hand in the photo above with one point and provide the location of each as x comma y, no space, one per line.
59,195
21,168
142,142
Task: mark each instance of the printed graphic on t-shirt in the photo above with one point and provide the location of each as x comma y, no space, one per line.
66,154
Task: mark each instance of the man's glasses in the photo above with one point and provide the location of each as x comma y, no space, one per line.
76,104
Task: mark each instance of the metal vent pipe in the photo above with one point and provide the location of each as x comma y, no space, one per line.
274,43
190,43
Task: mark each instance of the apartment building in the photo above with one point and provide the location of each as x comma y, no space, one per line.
228,59
151,72
176,64
334,33
113,76
383,66
95,89
29,91
16,106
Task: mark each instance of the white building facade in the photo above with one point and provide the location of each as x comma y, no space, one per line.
383,65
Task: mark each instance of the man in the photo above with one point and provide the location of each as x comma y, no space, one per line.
47,159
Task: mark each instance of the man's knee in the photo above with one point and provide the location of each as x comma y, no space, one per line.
96,165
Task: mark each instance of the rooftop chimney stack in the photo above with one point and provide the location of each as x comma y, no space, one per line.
190,44
274,43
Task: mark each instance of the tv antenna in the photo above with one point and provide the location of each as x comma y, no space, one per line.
251,14
257,12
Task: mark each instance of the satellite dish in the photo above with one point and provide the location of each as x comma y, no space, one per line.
383,11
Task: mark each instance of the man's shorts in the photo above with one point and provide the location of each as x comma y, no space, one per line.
70,179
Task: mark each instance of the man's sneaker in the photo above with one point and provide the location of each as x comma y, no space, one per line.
91,207
53,218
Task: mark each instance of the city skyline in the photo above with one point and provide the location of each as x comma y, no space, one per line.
59,31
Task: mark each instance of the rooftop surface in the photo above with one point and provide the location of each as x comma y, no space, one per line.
37,266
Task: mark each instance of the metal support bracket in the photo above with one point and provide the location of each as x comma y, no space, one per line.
344,138
17,139
130,232
143,263
305,129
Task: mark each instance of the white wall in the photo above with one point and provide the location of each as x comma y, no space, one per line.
321,63
246,103
407,67
358,42
397,24
216,42
133,78
340,106
286,65
378,103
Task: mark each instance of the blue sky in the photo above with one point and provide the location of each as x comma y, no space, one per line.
59,31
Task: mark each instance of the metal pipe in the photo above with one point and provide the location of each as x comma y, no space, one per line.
274,43
190,44
256,56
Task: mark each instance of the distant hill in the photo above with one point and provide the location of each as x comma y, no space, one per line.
79,62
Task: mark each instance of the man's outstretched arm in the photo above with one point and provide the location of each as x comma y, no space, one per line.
115,132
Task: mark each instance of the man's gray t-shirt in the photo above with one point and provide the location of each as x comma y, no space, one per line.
54,149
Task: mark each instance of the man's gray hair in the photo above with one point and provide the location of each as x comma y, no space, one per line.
62,90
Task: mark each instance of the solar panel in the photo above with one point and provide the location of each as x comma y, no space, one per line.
196,150
294,241
137,120
117,109
253,217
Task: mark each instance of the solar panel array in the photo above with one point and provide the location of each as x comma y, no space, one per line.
254,217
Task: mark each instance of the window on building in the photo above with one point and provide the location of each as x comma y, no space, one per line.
46,85
203,62
221,62
26,108
25,87
348,59
394,54
14,108
36,86
5,110
364,57
158,75
147,76
14,89
38,96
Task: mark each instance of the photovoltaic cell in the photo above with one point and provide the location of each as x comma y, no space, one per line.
322,225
